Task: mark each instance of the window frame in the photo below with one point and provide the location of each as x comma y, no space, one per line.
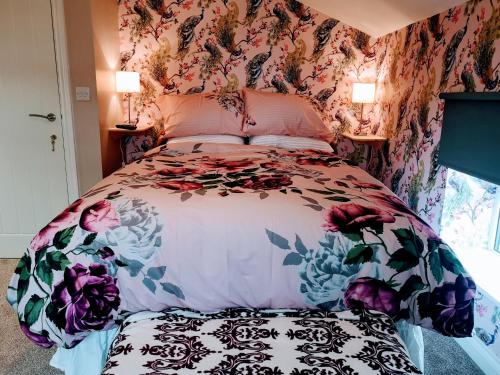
496,231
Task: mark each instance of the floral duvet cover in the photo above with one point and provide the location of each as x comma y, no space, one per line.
214,226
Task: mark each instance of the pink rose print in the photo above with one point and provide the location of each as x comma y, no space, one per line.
352,217
313,161
228,165
180,185
396,206
177,171
271,165
264,182
99,217
64,219
481,309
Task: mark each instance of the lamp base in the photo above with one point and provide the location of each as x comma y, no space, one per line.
126,126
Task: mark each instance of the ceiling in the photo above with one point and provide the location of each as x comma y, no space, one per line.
380,17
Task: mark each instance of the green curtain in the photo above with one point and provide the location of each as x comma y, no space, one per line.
470,139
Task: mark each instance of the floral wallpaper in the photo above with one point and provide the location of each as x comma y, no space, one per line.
455,51
487,322
187,46
470,214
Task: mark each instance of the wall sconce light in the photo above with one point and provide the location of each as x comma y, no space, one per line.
128,83
363,93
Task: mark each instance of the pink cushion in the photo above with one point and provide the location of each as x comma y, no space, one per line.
281,114
187,115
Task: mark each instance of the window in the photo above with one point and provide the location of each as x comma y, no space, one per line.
497,240
471,215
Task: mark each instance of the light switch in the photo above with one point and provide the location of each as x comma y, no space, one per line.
83,94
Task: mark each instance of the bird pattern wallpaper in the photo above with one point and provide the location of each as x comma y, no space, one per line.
203,46
194,46
455,51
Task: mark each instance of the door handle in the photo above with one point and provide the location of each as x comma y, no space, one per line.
50,117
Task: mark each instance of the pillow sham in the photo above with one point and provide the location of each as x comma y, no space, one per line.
282,114
291,143
201,114
216,138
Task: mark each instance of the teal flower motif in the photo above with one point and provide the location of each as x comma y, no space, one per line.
325,276
139,231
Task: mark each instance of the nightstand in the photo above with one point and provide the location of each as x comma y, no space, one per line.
123,134
119,133
374,141
365,148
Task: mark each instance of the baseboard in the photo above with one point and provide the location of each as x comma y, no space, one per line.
483,358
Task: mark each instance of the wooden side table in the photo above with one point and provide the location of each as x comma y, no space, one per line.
123,134
374,141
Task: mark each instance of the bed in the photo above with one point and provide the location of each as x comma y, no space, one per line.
214,226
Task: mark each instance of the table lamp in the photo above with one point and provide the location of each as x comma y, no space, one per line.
363,93
128,83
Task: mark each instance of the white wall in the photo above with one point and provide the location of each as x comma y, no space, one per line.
82,73
107,62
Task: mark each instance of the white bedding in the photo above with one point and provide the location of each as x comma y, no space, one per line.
291,143
215,138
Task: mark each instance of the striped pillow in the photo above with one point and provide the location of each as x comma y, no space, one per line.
291,143
217,138
282,114
187,115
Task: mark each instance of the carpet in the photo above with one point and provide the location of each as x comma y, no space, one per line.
443,356
18,356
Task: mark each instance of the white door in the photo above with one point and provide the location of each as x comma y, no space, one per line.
33,186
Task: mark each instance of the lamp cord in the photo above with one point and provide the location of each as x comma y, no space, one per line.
129,109
122,152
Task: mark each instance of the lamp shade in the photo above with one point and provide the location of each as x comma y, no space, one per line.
128,82
363,92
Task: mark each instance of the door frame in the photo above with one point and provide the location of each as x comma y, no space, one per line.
64,83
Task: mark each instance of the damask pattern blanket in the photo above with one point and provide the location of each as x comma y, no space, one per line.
245,341
214,226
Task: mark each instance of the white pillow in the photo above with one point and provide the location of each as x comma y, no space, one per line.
216,138
292,143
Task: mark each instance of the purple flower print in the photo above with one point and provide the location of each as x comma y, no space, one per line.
372,294
452,307
85,299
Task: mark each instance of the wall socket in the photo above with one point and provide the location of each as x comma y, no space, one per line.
82,94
